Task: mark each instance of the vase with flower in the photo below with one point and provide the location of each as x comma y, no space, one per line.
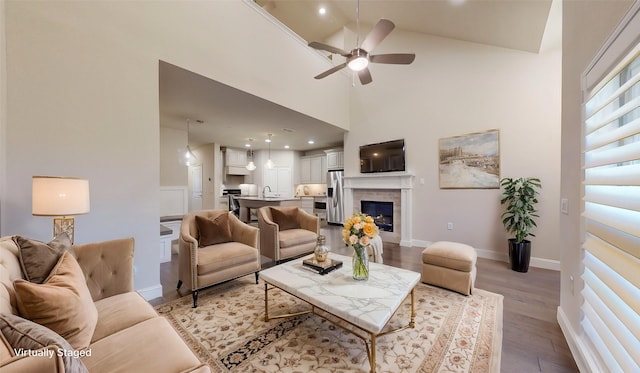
358,232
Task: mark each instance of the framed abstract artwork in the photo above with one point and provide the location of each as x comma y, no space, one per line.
470,161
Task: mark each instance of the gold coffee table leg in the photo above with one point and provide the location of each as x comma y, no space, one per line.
372,361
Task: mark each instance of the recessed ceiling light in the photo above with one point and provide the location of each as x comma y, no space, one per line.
267,140
310,142
247,145
286,146
322,11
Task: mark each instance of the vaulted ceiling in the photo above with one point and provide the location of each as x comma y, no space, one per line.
515,24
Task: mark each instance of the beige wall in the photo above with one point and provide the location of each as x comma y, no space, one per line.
586,25
173,143
454,88
83,101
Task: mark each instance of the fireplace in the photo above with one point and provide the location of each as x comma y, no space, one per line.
381,212
394,187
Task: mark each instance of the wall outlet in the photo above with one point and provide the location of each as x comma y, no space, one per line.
571,284
450,226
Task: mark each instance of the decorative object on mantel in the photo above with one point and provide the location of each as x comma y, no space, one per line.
229,335
470,161
358,232
321,252
520,197
60,196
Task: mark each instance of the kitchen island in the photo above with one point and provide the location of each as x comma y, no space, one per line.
248,203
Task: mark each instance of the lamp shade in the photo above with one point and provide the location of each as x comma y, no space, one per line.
59,196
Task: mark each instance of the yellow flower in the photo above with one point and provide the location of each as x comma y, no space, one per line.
347,225
345,233
369,229
356,219
368,219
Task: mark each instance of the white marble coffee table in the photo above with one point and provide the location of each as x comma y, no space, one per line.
366,305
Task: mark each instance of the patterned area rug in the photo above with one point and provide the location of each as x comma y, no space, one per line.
453,333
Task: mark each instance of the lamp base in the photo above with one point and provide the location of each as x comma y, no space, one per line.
63,225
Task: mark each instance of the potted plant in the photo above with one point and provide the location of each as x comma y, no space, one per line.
519,195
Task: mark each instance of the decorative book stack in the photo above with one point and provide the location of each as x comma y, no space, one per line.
321,267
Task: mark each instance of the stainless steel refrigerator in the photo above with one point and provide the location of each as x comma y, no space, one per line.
335,208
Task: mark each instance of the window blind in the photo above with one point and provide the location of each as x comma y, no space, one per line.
611,212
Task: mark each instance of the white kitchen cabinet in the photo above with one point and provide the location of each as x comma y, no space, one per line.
279,181
335,160
305,170
307,204
313,169
236,157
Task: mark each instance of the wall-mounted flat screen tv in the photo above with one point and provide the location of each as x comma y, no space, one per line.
382,157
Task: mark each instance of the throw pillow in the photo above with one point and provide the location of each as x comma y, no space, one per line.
62,303
213,231
24,335
286,218
38,258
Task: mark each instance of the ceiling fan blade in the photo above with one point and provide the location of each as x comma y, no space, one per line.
394,58
377,34
328,48
365,76
331,71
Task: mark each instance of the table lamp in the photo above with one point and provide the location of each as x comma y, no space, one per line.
60,197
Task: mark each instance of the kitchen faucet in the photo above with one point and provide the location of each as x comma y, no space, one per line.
264,189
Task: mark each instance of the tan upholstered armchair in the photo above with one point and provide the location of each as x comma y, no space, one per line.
215,246
286,232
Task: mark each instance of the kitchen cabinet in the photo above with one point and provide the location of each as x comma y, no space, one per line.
279,181
307,204
335,160
313,169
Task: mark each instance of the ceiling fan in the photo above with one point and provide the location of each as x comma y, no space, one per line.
358,58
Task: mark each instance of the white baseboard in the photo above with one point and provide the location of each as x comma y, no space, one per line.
582,355
418,243
151,292
493,255
553,265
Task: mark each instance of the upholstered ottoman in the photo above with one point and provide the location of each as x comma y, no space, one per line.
450,265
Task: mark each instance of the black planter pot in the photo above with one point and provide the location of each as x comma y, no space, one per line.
519,255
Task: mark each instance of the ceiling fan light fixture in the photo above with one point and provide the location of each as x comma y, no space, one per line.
358,62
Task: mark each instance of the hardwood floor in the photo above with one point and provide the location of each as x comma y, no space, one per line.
532,340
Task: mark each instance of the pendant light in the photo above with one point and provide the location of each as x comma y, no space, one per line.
190,159
250,166
269,163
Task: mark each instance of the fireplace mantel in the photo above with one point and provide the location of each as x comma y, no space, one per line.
379,181
391,181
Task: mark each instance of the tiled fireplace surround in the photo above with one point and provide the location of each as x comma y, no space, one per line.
396,188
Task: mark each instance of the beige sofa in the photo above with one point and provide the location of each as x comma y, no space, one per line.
129,335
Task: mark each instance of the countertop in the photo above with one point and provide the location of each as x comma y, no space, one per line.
268,198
